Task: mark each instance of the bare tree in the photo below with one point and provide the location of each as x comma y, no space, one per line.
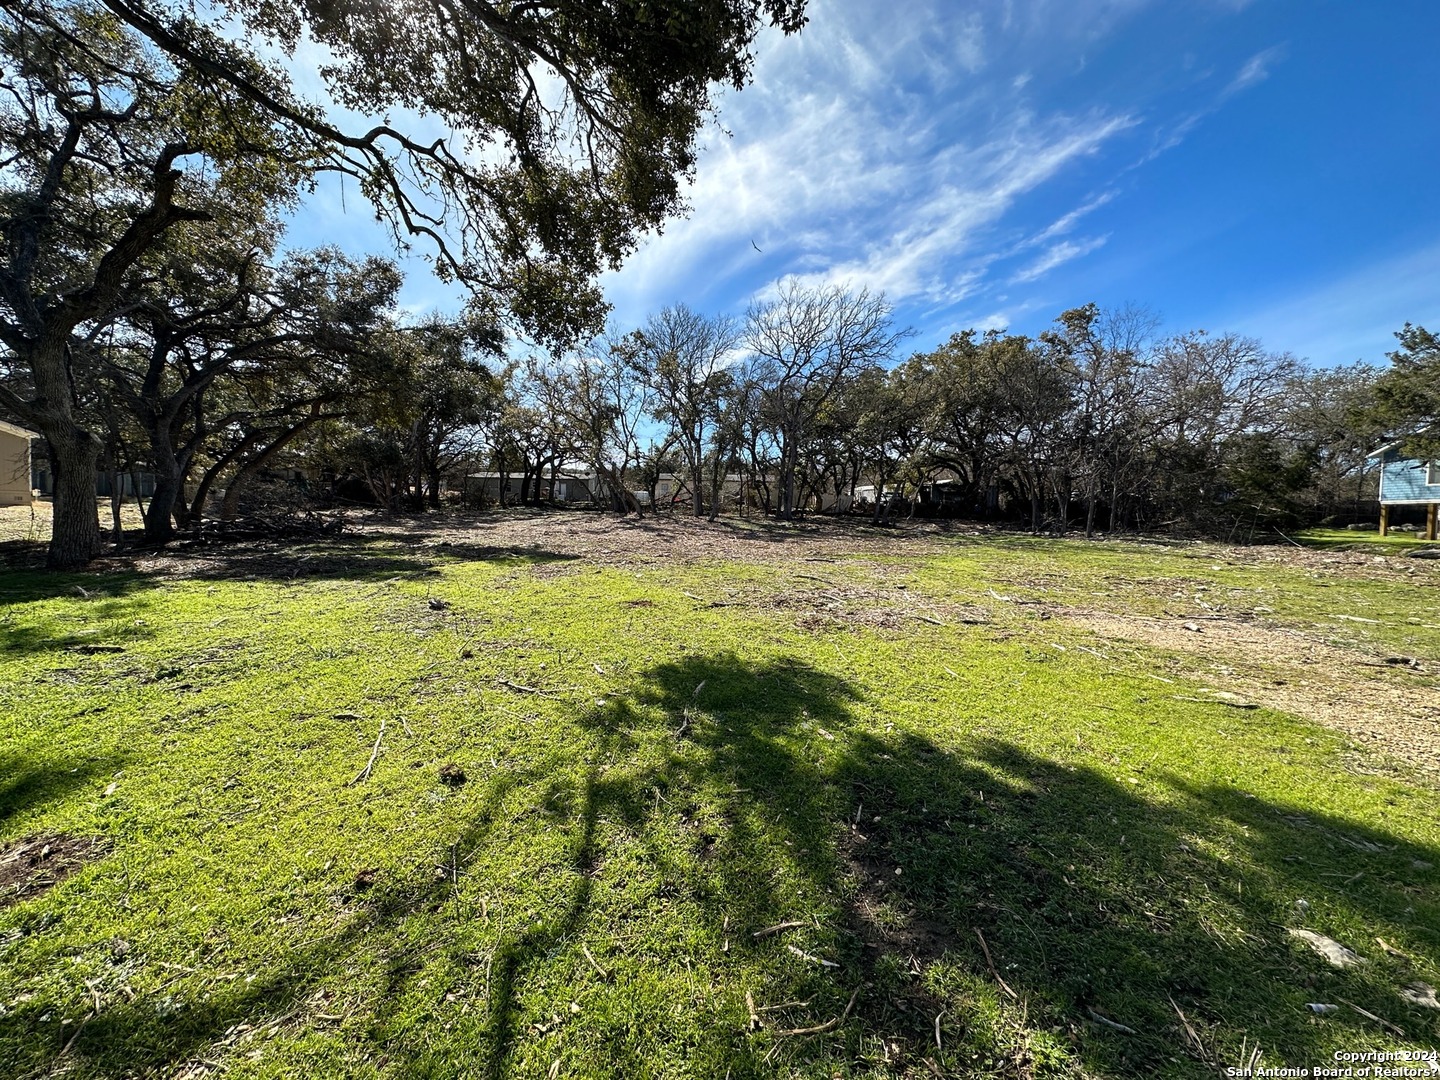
682,356
806,343
604,402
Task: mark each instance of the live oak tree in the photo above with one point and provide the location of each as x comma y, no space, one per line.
104,149
539,141
325,351
888,430
1108,353
436,405
203,308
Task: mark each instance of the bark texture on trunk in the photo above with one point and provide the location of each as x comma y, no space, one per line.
160,514
75,526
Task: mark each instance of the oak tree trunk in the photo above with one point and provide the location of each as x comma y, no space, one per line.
75,527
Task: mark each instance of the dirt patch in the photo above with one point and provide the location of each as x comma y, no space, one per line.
877,916
607,540
833,606
550,539
31,866
1386,706
885,925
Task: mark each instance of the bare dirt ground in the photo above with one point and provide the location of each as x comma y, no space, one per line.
37,863
1391,707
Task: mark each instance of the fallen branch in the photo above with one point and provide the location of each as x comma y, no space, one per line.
829,1025
599,970
813,959
925,618
786,1005
81,1027
1387,947
1371,1016
1111,1024
755,1022
991,963
1191,1035
520,689
374,753
777,928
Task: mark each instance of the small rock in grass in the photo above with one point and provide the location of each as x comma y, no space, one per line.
1421,994
365,878
451,775
1335,954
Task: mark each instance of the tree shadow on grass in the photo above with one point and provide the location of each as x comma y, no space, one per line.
183,1031
349,559
1159,906
1164,910
353,559
724,797
109,625
27,586
29,782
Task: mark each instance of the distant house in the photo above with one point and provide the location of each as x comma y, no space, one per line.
674,489
1407,481
15,489
570,486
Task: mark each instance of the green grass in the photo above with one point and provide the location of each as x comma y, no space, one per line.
1366,540
690,774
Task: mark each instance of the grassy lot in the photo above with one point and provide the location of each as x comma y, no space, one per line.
737,801
1364,540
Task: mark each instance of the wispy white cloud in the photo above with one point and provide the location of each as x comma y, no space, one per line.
1255,70
1056,255
868,155
1066,222
929,248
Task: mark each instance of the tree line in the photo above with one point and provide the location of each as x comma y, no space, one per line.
1098,423
153,319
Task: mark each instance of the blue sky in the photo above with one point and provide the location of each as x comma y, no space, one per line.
1269,166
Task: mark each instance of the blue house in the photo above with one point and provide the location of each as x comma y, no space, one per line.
1407,481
